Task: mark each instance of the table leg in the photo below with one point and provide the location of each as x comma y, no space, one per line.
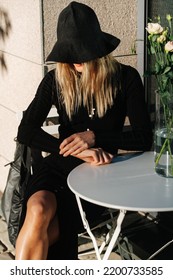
87,227
113,238
115,234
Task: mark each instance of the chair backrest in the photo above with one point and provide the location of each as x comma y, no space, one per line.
51,125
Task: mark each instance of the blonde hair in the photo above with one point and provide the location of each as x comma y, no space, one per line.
95,82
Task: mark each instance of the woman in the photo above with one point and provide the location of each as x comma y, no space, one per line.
93,94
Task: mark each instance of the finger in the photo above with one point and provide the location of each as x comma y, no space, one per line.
67,145
66,141
74,149
107,158
78,149
104,157
101,157
97,157
76,146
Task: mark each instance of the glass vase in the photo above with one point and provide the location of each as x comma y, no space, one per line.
163,138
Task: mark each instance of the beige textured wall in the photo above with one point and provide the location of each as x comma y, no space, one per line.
21,71
23,53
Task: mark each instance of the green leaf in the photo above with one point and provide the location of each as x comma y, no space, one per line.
154,38
167,69
170,74
152,49
157,67
165,96
165,79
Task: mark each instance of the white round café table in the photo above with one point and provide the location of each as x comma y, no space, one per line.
128,183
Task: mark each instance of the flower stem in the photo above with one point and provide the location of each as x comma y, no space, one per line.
168,121
161,152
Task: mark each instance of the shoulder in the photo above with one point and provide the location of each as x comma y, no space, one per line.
129,71
46,86
130,77
51,73
47,81
49,76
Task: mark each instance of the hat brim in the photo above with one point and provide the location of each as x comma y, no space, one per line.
77,53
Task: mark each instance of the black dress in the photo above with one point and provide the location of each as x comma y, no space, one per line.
53,170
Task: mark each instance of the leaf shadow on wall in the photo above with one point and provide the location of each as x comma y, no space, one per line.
5,28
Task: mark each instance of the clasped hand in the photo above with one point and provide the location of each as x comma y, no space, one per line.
81,145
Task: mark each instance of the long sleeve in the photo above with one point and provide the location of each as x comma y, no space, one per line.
29,131
131,103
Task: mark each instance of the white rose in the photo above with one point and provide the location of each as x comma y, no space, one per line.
169,46
154,28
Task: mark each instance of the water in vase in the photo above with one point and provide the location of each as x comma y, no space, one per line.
164,153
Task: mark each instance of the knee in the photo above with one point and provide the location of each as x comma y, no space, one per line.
37,209
41,209
36,214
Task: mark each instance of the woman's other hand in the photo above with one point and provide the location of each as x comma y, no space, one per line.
95,156
77,143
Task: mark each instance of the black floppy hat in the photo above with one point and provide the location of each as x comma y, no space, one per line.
79,36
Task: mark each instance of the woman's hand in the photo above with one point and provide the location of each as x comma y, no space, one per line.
95,156
77,143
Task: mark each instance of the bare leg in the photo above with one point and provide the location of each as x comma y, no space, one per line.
53,231
35,234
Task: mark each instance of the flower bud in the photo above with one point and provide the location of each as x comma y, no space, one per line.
154,28
169,17
165,32
161,39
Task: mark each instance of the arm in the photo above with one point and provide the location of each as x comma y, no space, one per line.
139,136
29,131
95,156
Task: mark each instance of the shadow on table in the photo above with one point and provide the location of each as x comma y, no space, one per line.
126,156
